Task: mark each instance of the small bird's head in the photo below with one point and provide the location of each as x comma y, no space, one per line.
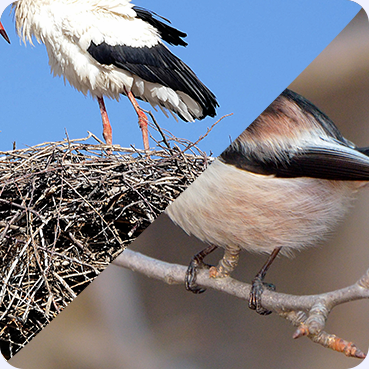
3,33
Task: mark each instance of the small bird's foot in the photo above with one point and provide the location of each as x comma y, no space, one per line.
191,274
217,272
257,290
258,285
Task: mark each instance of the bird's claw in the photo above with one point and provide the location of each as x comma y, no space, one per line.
257,290
191,276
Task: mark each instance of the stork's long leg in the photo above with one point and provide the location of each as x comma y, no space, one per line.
142,119
107,131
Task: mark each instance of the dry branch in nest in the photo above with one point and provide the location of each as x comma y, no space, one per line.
67,209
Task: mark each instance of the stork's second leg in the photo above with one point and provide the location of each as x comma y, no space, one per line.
107,131
258,285
142,119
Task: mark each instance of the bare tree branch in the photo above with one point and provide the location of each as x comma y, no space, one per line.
309,313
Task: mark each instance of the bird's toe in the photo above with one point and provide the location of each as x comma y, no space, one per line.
257,290
191,276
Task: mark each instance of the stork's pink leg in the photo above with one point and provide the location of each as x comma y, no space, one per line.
142,119
107,131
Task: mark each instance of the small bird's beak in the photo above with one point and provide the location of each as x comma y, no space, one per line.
3,33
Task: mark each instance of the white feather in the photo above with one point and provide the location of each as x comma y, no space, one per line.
237,209
67,28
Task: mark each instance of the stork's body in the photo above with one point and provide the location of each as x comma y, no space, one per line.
110,47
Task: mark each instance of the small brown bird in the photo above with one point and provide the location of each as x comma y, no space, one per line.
280,186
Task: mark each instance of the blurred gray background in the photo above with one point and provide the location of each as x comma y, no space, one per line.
125,320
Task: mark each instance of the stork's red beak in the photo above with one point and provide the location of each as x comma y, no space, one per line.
3,33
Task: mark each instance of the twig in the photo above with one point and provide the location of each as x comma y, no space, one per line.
207,132
308,312
67,210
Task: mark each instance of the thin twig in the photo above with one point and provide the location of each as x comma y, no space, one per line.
68,209
308,312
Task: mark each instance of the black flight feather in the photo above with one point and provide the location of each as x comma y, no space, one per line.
339,159
314,162
169,34
157,65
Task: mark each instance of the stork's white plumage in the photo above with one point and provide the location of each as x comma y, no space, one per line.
111,47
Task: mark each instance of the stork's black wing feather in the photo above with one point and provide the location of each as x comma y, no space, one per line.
168,33
315,162
157,65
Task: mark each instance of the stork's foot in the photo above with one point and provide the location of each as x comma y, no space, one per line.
107,130
142,119
257,290
197,262
108,135
143,123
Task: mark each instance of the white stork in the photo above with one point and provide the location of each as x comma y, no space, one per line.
109,48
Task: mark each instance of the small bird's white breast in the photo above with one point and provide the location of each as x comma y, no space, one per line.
234,208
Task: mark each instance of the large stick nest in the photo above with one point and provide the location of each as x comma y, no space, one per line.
67,209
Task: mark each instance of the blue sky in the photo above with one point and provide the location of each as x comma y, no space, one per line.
246,52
